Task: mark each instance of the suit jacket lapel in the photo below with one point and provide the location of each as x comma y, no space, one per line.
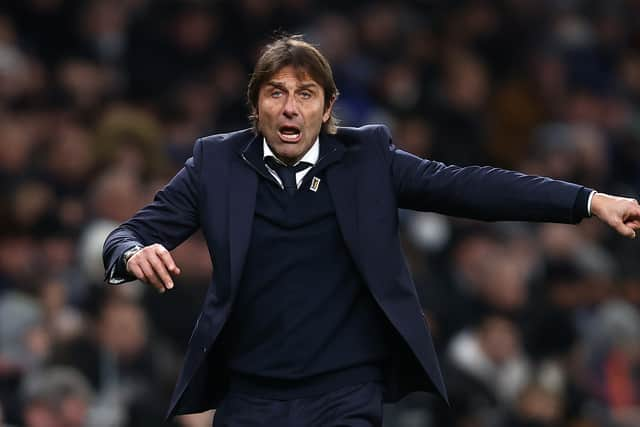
342,182
243,187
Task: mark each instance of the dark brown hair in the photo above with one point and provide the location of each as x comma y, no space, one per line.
293,51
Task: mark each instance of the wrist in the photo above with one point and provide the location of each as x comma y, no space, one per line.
129,253
598,204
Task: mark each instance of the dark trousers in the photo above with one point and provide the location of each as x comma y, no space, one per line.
352,406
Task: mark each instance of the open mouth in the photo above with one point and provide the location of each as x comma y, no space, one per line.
289,133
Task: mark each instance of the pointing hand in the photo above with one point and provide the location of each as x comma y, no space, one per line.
154,265
621,213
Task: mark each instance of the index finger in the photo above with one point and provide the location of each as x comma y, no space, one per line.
625,230
167,259
634,212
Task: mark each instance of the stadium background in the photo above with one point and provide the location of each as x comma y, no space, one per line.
101,100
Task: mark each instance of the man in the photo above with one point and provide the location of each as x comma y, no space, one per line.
311,317
56,397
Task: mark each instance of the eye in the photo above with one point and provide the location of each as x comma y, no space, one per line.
276,93
305,94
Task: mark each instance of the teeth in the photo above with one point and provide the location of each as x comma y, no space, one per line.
289,135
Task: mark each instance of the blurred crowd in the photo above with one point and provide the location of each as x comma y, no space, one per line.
100,101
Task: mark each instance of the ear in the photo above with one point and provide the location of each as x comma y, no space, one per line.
327,114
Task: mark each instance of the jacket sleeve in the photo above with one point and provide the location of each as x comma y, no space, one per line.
169,220
481,192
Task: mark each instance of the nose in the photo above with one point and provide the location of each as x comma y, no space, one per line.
290,107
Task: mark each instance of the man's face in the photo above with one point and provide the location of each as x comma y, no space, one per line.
291,112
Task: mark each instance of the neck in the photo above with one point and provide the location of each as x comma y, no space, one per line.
287,160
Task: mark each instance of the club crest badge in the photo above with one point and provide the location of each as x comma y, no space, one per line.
315,183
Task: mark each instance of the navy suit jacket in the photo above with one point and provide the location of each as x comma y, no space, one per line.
216,191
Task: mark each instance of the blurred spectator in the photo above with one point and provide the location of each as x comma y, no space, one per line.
63,321
614,344
126,369
18,259
115,196
522,104
460,131
103,30
15,156
492,355
129,138
56,397
24,344
536,406
84,85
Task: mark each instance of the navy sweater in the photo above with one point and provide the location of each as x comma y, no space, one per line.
303,322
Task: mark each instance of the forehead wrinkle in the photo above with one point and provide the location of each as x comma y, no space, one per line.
299,72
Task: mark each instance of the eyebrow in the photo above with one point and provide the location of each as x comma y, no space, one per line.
278,85
309,86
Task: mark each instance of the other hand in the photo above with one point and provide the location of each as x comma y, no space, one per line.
154,265
621,213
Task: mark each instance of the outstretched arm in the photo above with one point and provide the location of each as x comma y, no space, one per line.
483,193
495,194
